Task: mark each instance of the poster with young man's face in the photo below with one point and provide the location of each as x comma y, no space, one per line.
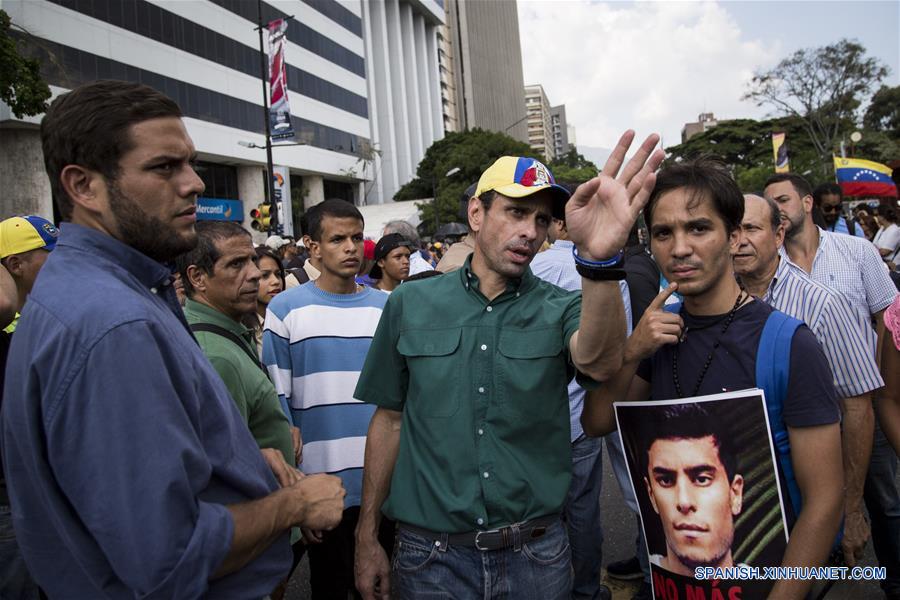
705,477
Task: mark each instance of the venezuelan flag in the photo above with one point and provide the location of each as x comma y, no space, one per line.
859,177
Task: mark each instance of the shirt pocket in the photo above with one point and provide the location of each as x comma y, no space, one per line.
531,369
434,364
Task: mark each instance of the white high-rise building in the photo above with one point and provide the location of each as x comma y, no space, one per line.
403,87
540,124
362,78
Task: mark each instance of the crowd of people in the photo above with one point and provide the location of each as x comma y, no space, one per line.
185,414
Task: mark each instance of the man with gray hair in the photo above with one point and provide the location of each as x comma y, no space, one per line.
417,263
786,287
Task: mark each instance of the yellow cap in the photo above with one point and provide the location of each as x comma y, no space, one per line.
520,177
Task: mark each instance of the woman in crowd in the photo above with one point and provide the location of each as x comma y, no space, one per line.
271,283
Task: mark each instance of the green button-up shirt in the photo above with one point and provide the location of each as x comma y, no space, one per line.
253,393
484,440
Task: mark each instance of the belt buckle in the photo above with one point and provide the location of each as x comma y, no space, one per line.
478,537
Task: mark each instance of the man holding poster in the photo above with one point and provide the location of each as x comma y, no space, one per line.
710,346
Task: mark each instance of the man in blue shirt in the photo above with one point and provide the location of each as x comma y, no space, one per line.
130,470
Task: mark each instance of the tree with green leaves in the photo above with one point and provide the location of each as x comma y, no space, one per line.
883,113
572,167
21,85
745,145
823,88
471,152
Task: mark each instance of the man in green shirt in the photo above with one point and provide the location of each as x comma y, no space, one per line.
221,280
469,449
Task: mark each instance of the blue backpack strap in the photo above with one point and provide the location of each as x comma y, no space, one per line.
773,365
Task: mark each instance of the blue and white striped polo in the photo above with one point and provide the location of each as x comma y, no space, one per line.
314,346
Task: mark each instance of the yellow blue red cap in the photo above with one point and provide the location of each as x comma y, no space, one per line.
520,177
21,234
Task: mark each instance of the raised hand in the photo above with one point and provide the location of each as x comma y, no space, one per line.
655,329
602,211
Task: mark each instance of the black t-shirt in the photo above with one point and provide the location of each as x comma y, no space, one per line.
811,398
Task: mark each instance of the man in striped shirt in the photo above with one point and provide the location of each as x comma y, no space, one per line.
852,267
787,288
315,342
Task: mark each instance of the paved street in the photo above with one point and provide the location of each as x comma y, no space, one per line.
618,543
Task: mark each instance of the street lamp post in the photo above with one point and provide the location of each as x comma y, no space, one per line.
263,70
264,76
247,144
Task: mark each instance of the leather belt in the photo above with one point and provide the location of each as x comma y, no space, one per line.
492,539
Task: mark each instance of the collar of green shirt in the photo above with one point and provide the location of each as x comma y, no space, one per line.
197,311
470,281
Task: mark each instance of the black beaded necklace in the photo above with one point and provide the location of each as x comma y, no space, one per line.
709,358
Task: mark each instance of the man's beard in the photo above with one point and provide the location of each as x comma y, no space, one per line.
793,229
714,561
146,234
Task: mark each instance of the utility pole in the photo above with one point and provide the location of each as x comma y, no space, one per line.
264,75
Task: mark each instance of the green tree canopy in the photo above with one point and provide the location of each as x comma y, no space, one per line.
471,152
883,114
572,167
21,85
823,88
745,145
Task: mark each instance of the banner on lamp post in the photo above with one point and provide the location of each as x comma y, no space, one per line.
281,188
279,108
780,153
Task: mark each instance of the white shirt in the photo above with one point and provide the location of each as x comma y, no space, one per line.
417,264
852,267
888,238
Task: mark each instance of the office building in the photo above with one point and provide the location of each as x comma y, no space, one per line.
205,55
704,121
540,125
560,130
447,69
485,63
404,92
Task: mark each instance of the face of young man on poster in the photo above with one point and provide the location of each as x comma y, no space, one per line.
690,491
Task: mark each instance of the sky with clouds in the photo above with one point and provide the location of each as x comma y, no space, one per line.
653,66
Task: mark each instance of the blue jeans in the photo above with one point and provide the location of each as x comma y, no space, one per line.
15,581
883,503
540,569
620,469
582,516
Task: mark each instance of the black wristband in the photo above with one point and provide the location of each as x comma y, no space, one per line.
600,274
